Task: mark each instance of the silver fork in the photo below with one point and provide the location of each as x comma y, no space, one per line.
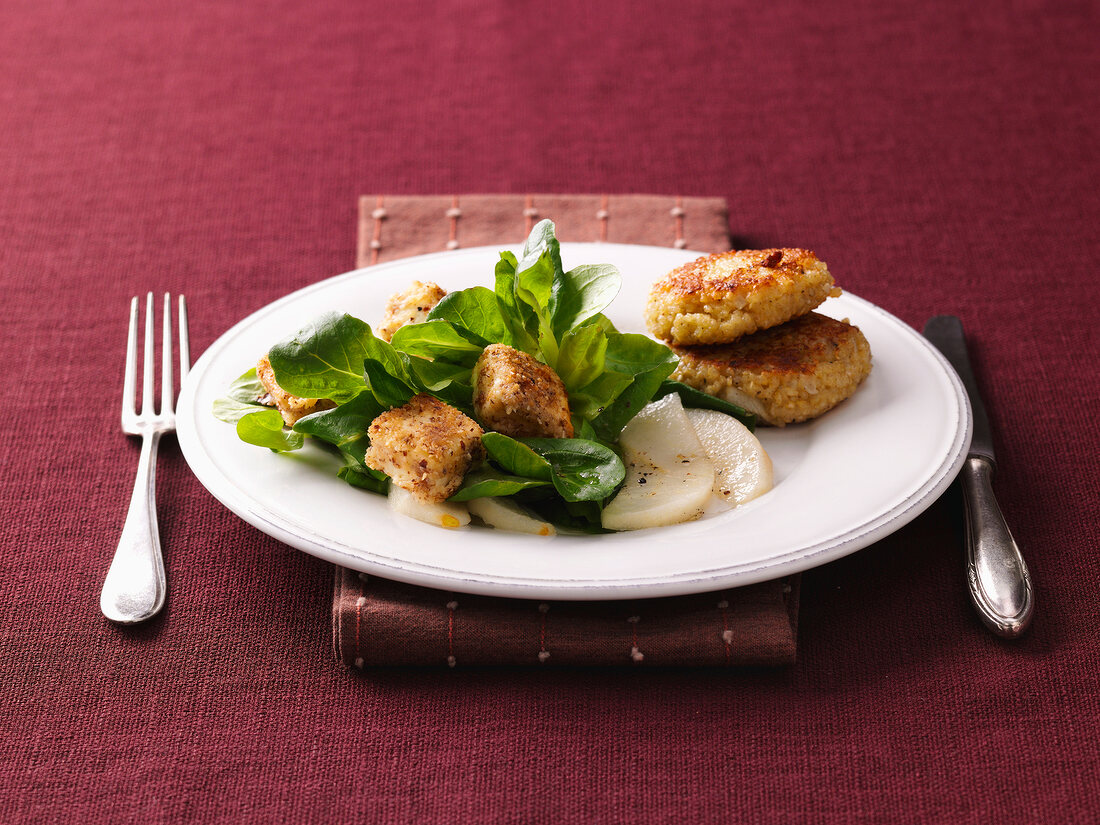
135,586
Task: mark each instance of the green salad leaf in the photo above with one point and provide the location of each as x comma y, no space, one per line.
264,428
489,481
255,423
516,457
324,359
691,397
581,470
344,427
578,469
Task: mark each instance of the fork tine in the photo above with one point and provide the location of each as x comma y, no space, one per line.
147,366
129,381
185,344
166,359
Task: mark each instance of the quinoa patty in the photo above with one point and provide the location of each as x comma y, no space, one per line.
718,298
786,374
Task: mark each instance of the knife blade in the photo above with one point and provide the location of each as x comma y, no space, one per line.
998,578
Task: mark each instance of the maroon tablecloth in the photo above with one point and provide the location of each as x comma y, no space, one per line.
940,157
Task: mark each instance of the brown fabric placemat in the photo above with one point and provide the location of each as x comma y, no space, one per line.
380,622
397,226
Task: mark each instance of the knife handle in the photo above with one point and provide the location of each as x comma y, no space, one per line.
1000,585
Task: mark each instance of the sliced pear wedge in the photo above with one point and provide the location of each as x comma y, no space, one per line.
505,514
448,514
743,470
669,477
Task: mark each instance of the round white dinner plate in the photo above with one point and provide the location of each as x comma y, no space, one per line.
842,481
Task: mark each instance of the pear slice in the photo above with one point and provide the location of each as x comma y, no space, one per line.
743,470
505,514
448,514
669,477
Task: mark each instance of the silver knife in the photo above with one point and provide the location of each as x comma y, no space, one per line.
1000,586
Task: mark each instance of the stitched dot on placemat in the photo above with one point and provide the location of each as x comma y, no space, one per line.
680,243
676,211
363,577
635,654
380,214
375,244
544,654
722,605
727,636
530,212
362,600
359,663
452,243
451,607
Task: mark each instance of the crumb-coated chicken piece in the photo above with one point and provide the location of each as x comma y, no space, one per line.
410,306
291,407
519,396
718,298
425,447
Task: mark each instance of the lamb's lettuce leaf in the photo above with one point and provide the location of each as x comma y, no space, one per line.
581,356
516,457
344,427
365,478
583,293
439,339
691,397
324,359
647,363
478,312
255,423
489,481
580,470
264,428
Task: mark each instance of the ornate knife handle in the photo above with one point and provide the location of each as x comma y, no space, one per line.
1000,585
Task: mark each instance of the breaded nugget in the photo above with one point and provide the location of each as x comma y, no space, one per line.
425,447
291,407
410,306
718,298
786,374
516,395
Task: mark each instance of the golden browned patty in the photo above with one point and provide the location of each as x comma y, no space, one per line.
718,298
786,374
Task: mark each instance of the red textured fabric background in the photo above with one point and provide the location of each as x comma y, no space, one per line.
941,157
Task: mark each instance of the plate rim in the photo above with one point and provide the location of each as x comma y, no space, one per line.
805,557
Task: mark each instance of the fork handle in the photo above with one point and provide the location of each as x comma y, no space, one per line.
135,586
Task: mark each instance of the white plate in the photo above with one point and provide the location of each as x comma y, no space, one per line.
842,482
